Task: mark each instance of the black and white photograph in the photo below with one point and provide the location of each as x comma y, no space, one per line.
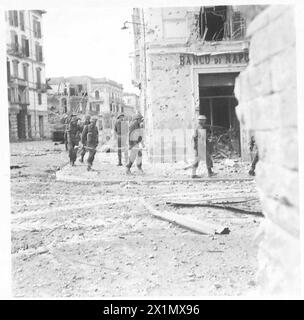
153,149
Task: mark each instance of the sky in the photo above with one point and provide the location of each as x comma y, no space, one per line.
89,41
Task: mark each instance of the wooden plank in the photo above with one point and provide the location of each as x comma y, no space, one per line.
185,222
206,202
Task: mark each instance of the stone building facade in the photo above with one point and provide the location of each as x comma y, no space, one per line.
130,104
27,100
185,63
267,94
87,95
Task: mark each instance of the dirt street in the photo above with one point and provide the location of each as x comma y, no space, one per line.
73,239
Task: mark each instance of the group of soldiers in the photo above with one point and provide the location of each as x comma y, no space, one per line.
86,133
83,137
130,142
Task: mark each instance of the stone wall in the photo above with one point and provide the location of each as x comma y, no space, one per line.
266,91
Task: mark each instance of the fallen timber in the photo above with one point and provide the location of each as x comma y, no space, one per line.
185,222
230,203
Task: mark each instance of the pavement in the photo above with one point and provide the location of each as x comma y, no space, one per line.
71,239
105,170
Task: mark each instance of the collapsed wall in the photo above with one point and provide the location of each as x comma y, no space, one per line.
266,91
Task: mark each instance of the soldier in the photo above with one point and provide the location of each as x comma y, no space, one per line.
198,157
73,134
253,149
84,138
135,142
121,131
90,136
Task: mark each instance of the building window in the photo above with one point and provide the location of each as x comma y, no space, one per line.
25,71
96,94
97,107
72,92
15,68
212,22
38,76
36,28
8,69
13,18
14,41
39,99
21,17
25,47
38,48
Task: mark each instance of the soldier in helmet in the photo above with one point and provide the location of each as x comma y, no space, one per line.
90,135
135,142
73,133
121,131
200,155
84,138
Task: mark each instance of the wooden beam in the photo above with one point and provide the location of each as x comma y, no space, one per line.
208,201
185,222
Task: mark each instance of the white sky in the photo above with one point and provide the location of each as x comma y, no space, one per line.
89,41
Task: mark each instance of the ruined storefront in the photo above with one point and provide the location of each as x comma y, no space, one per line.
189,59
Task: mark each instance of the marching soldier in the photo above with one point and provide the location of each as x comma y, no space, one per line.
198,155
90,137
84,138
121,131
73,133
135,142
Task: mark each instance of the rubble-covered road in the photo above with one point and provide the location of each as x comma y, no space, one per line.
96,239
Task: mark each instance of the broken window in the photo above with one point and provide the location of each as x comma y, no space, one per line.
212,22
221,22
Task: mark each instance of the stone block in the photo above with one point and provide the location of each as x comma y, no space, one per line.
279,146
283,69
276,181
279,261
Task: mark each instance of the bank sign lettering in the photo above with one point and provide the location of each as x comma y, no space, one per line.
228,58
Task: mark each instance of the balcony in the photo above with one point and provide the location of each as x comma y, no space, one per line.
17,51
15,81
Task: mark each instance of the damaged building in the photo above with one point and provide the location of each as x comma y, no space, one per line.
83,95
185,63
27,101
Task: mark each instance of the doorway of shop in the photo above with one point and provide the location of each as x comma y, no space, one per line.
217,103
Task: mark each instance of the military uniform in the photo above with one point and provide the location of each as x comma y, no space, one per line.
73,138
254,150
121,131
135,141
90,136
84,139
200,155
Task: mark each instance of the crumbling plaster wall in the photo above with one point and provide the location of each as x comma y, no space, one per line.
266,91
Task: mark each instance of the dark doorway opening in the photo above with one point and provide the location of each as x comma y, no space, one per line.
217,103
21,125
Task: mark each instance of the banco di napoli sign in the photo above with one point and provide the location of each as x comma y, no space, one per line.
227,58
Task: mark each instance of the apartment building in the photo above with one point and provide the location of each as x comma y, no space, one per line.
27,99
